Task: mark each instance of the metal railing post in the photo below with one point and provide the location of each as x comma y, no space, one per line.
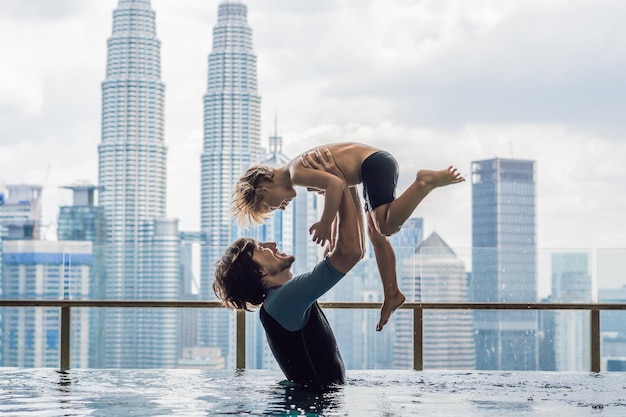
240,356
595,340
418,342
66,321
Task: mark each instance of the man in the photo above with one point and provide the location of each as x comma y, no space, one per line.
255,273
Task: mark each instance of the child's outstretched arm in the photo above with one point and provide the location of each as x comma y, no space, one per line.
318,173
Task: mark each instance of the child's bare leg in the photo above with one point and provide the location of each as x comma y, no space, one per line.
391,217
386,262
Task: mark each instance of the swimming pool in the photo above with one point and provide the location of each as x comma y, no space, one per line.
190,392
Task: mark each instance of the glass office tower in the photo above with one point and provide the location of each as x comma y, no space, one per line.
132,177
504,264
232,109
571,283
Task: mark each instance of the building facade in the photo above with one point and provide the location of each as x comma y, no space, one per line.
232,108
613,330
504,262
84,221
37,269
132,177
571,283
20,213
440,276
405,244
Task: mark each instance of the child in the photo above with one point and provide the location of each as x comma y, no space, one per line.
263,189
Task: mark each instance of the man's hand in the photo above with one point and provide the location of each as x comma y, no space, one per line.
322,159
321,232
333,238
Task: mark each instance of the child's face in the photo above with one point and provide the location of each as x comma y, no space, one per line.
273,199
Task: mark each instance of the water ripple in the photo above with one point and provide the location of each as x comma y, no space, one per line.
177,392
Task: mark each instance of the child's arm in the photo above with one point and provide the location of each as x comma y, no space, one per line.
332,186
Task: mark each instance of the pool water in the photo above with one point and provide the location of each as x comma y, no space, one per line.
190,392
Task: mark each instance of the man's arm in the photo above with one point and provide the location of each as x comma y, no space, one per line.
350,242
348,235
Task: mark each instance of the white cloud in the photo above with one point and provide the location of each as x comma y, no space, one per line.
435,82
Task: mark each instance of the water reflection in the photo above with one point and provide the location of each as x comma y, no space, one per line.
293,399
277,398
64,389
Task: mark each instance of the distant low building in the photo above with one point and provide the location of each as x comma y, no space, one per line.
613,330
571,283
202,358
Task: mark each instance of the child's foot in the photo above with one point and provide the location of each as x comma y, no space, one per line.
434,179
389,306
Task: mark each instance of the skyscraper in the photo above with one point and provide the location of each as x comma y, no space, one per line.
231,145
504,264
448,335
20,213
571,283
405,244
20,206
613,330
84,221
132,177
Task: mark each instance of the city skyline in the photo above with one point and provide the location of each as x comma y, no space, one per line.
130,131
559,89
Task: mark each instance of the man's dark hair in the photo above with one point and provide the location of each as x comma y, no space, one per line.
237,277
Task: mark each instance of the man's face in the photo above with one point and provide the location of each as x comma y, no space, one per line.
271,261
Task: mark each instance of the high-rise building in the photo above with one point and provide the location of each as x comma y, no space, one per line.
38,269
84,221
439,276
613,330
20,204
504,264
232,110
405,244
191,242
448,335
132,177
571,283
20,213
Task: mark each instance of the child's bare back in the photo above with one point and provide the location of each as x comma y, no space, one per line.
349,157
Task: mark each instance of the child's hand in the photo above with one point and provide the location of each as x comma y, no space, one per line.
321,159
321,232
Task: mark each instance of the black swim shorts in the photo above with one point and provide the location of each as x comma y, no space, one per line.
379,172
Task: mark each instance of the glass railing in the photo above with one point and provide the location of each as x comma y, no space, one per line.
564,314
421,347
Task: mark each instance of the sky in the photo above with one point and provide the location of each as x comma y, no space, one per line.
436,83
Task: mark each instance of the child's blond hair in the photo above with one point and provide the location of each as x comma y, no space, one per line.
247,198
